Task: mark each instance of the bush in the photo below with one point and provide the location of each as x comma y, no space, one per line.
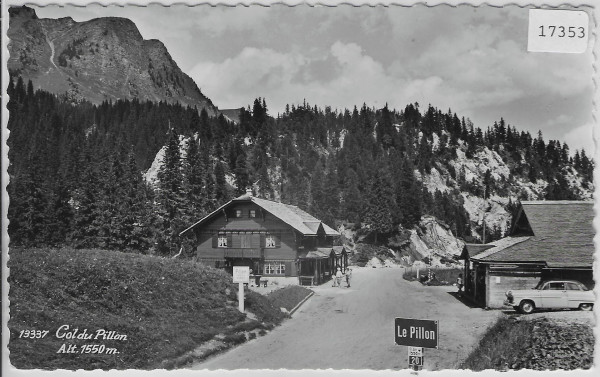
235,338
533,344
443,276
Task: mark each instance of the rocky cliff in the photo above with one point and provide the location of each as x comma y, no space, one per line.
97,60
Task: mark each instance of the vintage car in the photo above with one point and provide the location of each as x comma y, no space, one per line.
551,294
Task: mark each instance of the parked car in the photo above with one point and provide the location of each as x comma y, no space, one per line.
551,294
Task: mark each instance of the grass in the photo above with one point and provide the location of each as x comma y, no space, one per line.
165,307
288,297
504,340
444,276
533,344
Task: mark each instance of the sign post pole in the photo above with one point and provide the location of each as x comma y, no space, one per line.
241,297
241,275
415,357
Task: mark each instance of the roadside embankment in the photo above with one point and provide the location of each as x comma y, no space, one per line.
551,340
110,310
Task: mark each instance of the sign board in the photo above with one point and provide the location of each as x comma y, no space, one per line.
416,332
414,361
415,351
241,274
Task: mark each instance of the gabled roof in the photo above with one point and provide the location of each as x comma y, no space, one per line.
298,219
562,231
314,254
339,250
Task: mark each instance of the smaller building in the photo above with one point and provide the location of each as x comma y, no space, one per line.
548,239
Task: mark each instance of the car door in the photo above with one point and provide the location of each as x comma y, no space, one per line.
554,295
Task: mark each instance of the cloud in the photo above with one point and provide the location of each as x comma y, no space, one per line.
581,138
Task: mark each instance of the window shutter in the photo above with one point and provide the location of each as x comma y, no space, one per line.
215,240
229,240
278,240
288,268
263,240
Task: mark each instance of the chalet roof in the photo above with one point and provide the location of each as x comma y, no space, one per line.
315,254
298,219
562,231
338,250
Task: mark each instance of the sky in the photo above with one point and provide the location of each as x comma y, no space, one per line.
472,60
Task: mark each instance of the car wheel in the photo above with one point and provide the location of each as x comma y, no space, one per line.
586,307
526,307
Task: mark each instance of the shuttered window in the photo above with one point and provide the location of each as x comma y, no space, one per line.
246,241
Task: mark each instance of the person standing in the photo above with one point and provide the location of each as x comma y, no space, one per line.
338,277
459,284
348,277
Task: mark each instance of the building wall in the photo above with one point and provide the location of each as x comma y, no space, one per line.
499,280
285,252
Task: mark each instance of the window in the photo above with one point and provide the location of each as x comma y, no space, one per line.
276,268
238,213
252,213
573,287
246,241
557,286
270,241
222,240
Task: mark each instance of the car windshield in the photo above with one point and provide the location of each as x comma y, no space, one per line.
540,285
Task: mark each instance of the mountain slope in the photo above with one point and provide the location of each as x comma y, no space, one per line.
97,60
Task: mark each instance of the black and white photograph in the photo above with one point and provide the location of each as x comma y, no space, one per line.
396,188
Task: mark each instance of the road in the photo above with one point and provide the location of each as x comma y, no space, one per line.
353,328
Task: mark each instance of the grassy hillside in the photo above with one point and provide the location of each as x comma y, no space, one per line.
164,307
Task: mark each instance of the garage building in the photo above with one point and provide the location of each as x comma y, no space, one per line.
548,239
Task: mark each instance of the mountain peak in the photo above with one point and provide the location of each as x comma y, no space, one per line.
23,12
101,59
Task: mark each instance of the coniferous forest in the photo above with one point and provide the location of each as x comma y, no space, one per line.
76,169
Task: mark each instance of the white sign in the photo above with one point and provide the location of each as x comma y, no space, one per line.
241,274
415,351
557,30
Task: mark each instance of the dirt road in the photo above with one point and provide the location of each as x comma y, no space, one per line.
354,328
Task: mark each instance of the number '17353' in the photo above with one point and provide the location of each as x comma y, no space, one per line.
562,31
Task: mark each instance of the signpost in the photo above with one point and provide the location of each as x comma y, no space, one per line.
416,334
241,275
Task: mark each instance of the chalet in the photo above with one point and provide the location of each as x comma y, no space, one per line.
548,239
273,239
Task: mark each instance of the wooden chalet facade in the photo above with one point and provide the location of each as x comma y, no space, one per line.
273,239
548,239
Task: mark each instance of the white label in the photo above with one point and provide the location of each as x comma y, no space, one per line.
415,351
497,279
241,274
563,31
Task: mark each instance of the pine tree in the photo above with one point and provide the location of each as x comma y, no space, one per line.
351,203
380,205
169,198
